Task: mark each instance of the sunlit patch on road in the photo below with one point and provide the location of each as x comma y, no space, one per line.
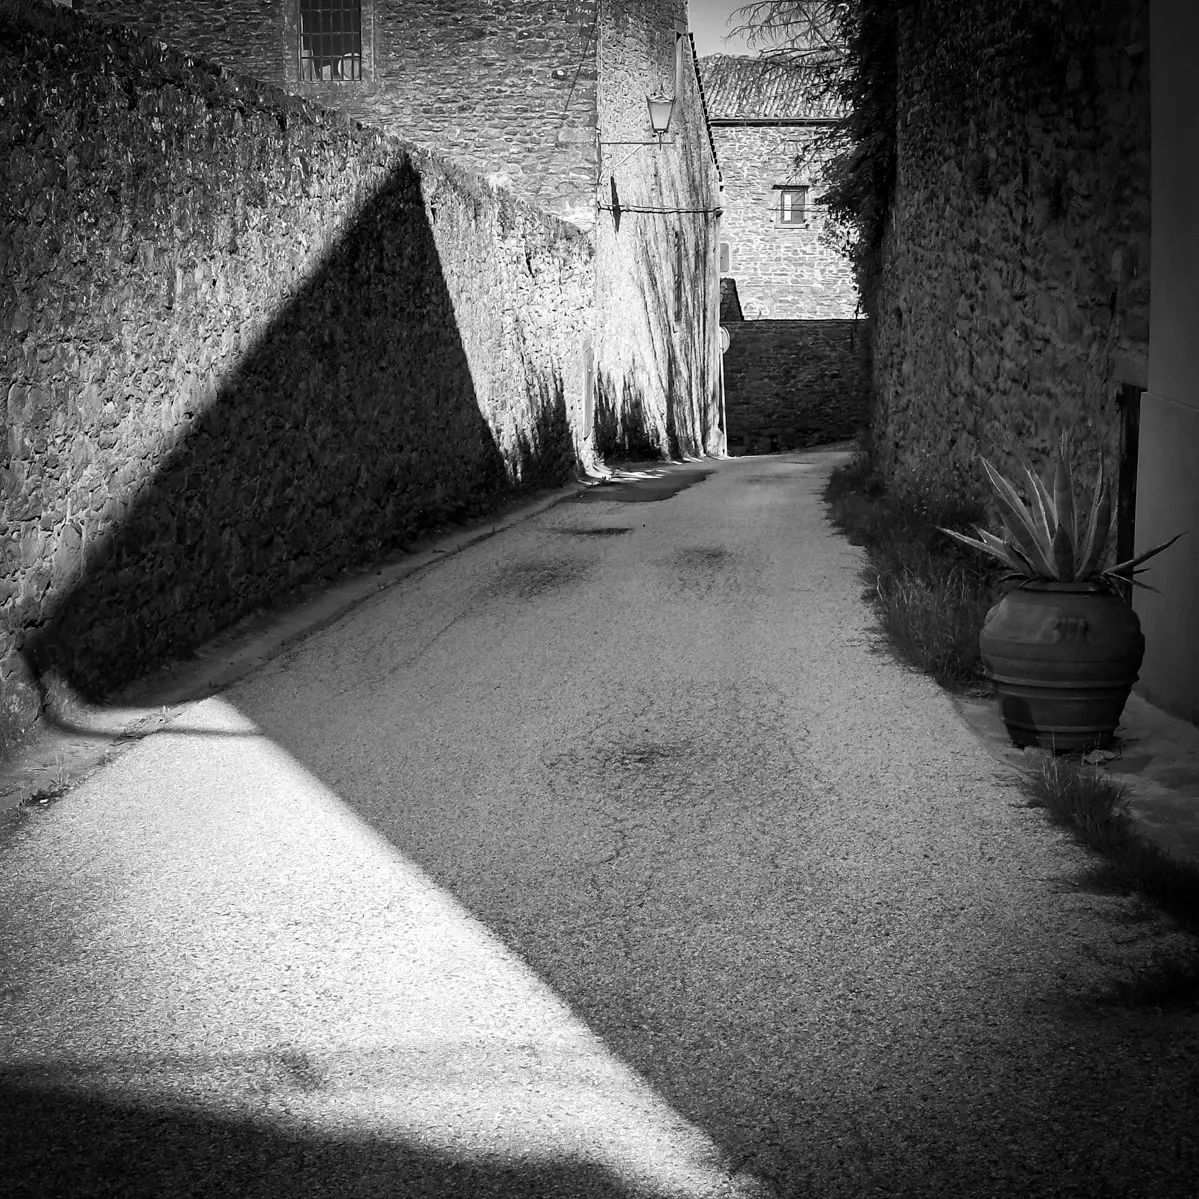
268,959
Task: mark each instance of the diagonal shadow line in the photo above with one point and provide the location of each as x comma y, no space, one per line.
213,536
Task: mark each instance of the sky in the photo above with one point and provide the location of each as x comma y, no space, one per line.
708,20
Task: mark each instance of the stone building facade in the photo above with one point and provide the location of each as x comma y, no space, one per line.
773,239
506,87
658,211
547,98
797,368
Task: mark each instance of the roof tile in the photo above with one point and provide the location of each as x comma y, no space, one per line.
738,87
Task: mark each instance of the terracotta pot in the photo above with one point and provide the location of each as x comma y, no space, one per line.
1063,658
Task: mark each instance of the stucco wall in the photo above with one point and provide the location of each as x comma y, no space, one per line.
1168,477
247,345
657,284
507,87
784,272
790,384
1014,295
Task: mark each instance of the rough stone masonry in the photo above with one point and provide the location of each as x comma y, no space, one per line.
248,344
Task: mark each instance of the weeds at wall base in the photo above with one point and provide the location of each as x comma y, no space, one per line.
930,598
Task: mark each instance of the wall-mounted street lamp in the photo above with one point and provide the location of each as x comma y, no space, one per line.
661,108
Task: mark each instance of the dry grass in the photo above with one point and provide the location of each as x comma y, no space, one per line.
1083,797
933,623
930,596
1094,806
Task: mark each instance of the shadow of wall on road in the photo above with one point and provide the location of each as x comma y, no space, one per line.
661,917
638,877
59,1141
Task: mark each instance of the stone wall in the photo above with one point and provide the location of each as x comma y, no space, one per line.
790,384
657,282
1014,294
783,271
247,345
507,87
526,91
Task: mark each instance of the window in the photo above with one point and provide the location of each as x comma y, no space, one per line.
792,201
726,258
330,40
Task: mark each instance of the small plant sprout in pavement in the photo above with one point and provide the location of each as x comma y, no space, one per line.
55,785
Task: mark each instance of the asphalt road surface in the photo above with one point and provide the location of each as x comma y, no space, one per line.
608,857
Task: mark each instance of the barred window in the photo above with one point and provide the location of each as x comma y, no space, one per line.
330,40
792,201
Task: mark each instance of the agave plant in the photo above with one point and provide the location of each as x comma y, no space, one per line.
1047,540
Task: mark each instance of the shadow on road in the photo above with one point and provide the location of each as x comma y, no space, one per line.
76,1147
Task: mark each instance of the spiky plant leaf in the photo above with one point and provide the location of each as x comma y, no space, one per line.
1111,581
1124,569
1019,522
1025,567
1098,528
993,546
996,543
1027,550
1063,555
1043,493
1042,506
1002,547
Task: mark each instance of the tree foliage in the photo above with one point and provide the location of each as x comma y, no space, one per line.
802,37
842,51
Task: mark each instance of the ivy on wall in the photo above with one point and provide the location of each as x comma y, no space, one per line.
853,51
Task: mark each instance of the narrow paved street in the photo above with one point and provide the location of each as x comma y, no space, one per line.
609,857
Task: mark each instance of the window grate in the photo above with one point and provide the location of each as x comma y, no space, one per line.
330,40
792,201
